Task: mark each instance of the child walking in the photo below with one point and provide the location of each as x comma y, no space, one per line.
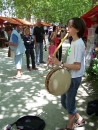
76,64
51,50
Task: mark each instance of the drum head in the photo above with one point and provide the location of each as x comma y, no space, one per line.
58,81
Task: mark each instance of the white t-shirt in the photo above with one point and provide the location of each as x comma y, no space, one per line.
77,54
45,28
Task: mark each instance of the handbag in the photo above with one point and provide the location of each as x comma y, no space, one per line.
9,52
12,54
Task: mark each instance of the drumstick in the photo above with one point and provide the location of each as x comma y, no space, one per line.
60,44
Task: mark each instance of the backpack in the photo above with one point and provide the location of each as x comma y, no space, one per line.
28,123
96,30
92,108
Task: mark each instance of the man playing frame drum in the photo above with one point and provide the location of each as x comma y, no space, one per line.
76,64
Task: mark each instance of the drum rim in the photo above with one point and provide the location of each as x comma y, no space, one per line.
49,75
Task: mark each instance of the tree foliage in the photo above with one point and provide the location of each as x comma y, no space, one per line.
48,10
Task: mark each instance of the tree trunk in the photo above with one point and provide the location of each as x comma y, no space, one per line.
29,17
93,3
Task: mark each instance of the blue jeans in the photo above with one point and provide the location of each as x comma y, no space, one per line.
39,52
68,99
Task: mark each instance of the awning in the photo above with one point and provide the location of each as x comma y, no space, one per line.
24,22
45,24
91,13
9,20
90,18
1,21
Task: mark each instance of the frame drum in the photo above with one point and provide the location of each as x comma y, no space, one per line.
58,81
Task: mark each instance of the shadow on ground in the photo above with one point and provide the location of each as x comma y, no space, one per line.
29,96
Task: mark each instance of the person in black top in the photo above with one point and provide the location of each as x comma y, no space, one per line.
39,36
29,44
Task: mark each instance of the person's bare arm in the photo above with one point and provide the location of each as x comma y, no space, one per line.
35,40
74,66
11,43
44,38
51,35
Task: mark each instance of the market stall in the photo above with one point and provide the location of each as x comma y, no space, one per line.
3,22
91,20
23,22
6,20
45,24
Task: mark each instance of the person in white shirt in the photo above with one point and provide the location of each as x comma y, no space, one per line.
76,65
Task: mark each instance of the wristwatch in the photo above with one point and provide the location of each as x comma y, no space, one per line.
62,65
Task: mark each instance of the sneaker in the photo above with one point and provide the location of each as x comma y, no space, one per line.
43,62
28,69
18,76
34,68
21,73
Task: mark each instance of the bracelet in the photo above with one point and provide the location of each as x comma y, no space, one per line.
62,65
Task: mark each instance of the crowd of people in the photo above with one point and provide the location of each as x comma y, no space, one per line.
31,40
75,60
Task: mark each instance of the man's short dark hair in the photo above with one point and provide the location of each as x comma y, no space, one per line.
38,19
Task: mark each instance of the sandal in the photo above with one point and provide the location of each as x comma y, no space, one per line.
79,123
65,129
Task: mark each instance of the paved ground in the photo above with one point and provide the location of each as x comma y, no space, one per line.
29,96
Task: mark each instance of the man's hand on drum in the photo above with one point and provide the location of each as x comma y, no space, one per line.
55,60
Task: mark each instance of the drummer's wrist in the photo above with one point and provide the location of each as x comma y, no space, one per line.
59,64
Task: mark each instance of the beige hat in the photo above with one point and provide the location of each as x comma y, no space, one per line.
58,81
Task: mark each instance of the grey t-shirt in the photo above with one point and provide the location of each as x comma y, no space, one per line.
77,54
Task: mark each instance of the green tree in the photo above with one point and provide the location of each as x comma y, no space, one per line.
61,11
48,10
